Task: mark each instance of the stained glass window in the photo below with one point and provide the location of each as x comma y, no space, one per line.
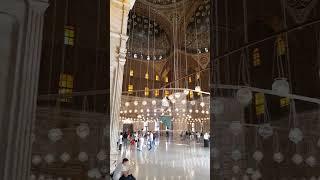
65,87
69,35
256,57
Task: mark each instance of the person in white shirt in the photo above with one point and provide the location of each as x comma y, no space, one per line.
122,169
151,140
198,136
206,139
141,142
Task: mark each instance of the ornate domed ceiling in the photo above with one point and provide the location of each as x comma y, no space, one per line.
164,2
198,36
148,40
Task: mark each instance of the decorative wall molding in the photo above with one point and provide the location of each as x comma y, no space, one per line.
300,9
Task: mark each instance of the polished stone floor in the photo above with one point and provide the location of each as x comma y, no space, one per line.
170,160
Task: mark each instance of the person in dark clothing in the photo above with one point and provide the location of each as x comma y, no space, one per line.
125,140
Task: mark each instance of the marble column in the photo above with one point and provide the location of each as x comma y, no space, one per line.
119,10
21,23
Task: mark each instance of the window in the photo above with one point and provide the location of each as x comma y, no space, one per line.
131,72
256,57
190,79
146,76
191,94
281,47
69,35
192,127
146,91
65,87
198,76
157,78
166,79
156,93
284,102
130,88
259,102
166,93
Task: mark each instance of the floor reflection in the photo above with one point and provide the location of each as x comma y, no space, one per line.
170,161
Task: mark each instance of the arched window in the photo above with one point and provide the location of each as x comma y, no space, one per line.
259,103
146,91
131,72
65,87
281,47
166,79
284,102
156,93
256,57
130,88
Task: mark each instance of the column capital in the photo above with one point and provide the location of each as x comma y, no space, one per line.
39,6
128,4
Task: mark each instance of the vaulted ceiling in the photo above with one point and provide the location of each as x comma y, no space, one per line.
180,26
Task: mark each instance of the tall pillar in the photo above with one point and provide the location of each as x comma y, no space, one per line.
21,24
119,10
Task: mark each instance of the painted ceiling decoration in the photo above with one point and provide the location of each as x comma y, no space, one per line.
144,32
164,2
198,29
300,9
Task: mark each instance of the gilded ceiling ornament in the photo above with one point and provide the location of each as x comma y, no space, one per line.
300,9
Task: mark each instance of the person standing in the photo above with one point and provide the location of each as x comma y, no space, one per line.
120,141
198,136
141,142
206,139
151,141
125,140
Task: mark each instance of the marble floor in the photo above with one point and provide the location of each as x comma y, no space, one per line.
170,160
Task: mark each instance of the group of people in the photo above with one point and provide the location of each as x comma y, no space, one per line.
197,136
138,139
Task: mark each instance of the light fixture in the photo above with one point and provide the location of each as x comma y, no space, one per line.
144,103
135,111
135,103
197,111
202,104
186,91
170,97
192,103
154,102
190,110
130,111
177,95
141,110
197,88
127,104
148,110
